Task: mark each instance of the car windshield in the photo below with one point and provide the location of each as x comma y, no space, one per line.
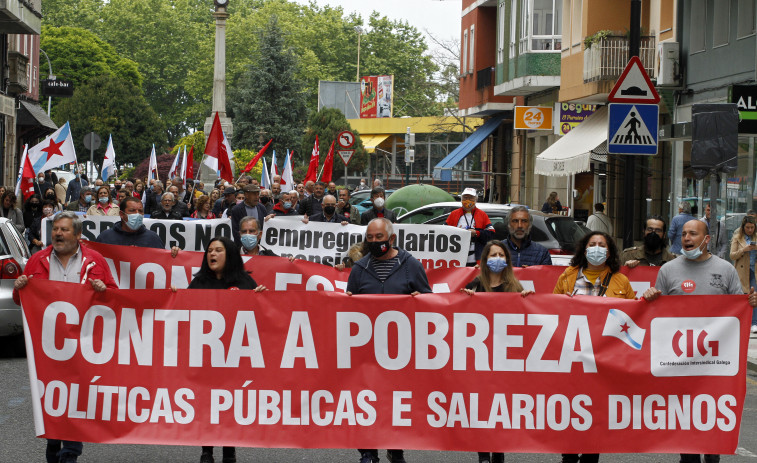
566,231
359,197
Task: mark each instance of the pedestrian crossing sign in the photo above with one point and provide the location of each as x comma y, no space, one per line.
632,128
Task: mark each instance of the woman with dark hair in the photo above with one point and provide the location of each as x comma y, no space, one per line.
552,204
743,254
32,210
104,205
496,276
222,268
49,195
35,230
11,212
594,271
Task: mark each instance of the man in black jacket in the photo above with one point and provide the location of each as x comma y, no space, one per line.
312,204
228,200
166,210
378,198
249,207
385,270
329,213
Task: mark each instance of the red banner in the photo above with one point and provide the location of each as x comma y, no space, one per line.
492,371
156,269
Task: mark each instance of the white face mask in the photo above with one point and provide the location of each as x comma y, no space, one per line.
379,202
693,254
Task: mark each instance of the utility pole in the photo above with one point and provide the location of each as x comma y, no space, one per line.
50,76
409,154
629,180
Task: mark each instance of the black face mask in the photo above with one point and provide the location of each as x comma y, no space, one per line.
329,209
264,199
117,187
35,206
50,195
379,248
653,242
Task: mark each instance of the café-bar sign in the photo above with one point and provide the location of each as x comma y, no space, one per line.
57,87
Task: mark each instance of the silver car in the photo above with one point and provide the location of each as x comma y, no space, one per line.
13,257
557,233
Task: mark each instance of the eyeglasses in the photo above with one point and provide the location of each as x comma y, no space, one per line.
654,230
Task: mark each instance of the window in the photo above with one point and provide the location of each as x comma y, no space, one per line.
541,24
697,26
721,16
513,27
566,22
745,26
471,54
575,23
464,64
501,34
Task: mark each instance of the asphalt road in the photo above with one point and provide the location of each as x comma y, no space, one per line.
20,445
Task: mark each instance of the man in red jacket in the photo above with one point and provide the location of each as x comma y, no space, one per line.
477,221
67,261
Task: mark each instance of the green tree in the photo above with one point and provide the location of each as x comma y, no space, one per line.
79,55
268,99
166,38
108,105
242,157
81,13
327,124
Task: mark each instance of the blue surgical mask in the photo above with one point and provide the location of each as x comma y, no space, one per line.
596,255
87,198
496,264
287,205
134,221
103,200
249,241
693,254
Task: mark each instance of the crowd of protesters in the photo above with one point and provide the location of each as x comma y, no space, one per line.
377,264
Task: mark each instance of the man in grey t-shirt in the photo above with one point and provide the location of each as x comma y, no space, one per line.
697,271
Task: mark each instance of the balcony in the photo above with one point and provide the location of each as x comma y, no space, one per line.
484,78
20,17
607,58
17,73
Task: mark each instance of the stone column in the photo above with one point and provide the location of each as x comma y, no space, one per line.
219,76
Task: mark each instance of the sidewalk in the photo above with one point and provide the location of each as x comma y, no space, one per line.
751,355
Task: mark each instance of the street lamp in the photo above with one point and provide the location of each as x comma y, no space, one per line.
50,76
359,31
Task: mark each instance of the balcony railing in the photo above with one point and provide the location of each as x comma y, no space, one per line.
606,59
484,78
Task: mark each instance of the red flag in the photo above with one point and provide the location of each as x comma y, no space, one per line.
27,179
313,167
328,165
190,169
257,157
215,150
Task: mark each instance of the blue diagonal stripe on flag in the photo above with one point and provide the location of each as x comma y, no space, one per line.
621,326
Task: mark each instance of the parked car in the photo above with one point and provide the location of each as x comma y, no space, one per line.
557,233
14,254
362,199
65,174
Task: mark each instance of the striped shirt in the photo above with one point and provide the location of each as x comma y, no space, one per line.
384,267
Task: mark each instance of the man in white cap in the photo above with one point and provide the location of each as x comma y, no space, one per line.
471,218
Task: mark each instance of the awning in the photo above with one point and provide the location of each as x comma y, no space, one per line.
370,142
571,154
31,114
443,170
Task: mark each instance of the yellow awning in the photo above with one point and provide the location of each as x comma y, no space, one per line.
370,142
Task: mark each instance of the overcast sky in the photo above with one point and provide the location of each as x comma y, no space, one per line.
440,17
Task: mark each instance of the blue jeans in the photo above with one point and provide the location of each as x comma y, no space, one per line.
54,452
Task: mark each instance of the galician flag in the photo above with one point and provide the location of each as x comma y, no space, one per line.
109,162
54,151
265,181
174,170
152,167
274,169
287,178
621,326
